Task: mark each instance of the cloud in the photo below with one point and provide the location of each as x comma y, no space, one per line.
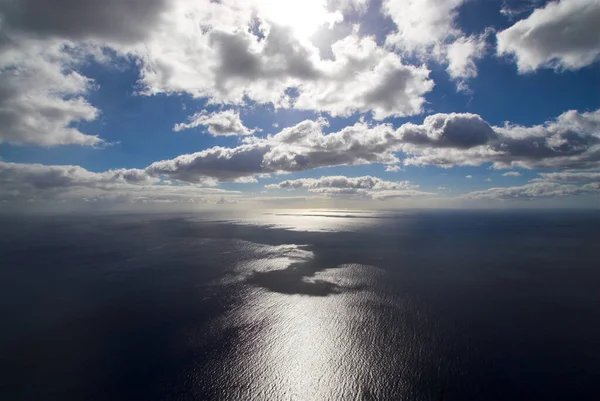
462,55
428,29
362,187
224,123
455,130
570,176
402,194
511,174
393,169
421,23
468,177
445,140
271,64
42,97
531,190
301,147
570,141
113,20
562,35
340,181
37,182
195,48
225,164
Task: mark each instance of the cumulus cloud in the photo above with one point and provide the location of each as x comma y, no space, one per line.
511,174
393,169
468,177
42,98
422,23
455,130
563,35
570,141
342,186
462,55
428,29
301,147
196,48
224,123
36,182
265,64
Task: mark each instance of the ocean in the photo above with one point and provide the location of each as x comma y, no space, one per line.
301,305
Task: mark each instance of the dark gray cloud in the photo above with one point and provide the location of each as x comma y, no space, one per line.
225,164
460,131
112,20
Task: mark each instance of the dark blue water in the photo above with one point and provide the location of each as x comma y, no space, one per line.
301,305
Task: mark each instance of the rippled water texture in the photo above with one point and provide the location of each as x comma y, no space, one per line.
301,305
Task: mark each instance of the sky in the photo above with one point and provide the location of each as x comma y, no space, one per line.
349,103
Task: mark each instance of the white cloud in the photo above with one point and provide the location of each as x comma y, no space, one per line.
531,190
563,34
36,182
468,177
41,97
238,65
362,187
428,29
570,141
393,169
228,51
224,123
340,181
421,23
511,174
301,147
488,180
445,140
461,56
570,176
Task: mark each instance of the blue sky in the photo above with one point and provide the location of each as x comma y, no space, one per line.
312,100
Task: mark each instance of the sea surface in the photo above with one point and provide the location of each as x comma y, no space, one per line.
301,305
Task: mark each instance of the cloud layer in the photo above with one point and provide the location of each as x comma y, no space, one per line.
36,182
445,140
